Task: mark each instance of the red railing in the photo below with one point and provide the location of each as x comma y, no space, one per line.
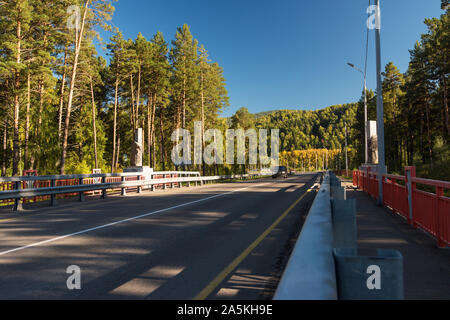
73,182
43,184
423,209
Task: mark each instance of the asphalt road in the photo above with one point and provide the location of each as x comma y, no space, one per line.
226,241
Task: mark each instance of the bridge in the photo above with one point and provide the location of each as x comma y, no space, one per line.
222,241
179,236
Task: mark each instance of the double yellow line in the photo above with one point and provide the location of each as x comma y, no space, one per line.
233,265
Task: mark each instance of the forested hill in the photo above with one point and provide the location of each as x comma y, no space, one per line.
65,109
302,129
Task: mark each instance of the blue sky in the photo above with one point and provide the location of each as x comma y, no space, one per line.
285,54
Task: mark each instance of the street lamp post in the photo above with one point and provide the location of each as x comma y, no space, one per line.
380,111
366,160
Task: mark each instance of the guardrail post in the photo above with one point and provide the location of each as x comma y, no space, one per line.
439,224
53,201
410,172
18,202
104,193
81,196
383,189
123,193
366,180
151,186
139,191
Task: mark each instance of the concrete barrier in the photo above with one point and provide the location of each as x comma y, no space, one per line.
374,277
345,231
338,193
325,264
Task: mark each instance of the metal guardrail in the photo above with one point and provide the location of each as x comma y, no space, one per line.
144,180
100,175
310,273
326,263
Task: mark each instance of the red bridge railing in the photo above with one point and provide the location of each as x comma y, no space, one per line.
423,208
5,186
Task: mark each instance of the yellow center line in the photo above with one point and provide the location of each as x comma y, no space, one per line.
215,283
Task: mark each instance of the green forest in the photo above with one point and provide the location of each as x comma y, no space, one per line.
66,109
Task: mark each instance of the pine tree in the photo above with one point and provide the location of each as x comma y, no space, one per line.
183,57
392,94
436,44
15,26
116,47
158,75
94,13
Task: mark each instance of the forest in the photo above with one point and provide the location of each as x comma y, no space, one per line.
416,114
65,109
417,128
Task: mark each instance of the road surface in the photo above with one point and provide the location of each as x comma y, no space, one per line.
225,241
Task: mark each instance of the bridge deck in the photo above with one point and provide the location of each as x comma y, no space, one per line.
170,245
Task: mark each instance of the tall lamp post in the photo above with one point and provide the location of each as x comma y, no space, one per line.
380,109
366,159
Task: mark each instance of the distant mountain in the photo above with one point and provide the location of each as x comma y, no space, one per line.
303,129
266,113
288,110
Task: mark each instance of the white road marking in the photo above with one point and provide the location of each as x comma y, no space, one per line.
126,220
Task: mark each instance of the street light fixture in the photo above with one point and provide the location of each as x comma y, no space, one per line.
365,112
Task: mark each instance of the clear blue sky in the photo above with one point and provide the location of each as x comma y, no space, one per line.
285,54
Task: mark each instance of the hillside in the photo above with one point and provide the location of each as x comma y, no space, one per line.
303,129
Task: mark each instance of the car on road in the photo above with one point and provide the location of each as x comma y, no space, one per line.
282,172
